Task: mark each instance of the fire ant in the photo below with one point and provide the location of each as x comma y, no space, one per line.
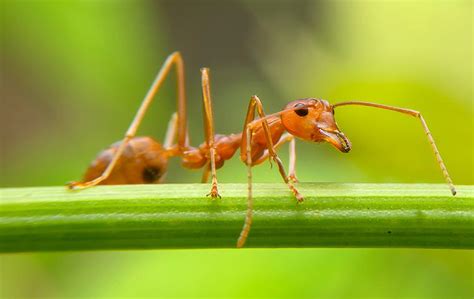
143,160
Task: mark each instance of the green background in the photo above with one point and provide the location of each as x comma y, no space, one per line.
74,73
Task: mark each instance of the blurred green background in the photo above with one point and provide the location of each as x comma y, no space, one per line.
74,72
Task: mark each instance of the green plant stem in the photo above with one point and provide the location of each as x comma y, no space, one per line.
180,216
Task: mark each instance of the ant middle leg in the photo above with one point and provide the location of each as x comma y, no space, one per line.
209,133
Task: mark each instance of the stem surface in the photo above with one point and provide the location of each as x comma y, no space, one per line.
180,216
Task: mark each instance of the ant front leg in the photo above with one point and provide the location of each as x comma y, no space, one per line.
252,123
244,233
209,133
250,126
292,153
174,59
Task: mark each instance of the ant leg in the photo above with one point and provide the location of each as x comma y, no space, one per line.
209,130
292,165
170,137
292,149
246,156
418,115
249,215
244,233
283,139
256,104
174,59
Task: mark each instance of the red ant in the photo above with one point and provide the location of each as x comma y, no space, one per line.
142,160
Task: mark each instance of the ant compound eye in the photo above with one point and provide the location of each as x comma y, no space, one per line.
302,111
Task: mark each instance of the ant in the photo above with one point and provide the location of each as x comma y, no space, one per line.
143,160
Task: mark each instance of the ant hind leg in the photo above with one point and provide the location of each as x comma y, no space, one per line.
176,60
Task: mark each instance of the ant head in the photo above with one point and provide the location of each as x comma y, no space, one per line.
313,120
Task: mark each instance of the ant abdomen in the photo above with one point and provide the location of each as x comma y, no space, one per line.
143,161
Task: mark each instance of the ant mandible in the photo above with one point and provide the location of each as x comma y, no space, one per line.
142,160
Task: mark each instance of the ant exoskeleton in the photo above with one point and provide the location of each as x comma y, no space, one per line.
141,160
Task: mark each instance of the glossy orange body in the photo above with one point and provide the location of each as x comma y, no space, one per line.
144,161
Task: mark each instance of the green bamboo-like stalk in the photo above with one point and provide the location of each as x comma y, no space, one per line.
180,216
